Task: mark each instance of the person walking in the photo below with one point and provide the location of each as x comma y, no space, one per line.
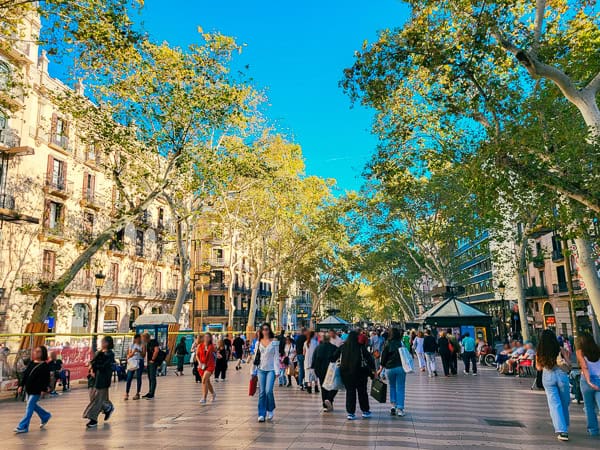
430,347
355,368
290,360
309,349
418,348
390,359
101,369
588,356
206,366
266,365
180,352
550,359
135,366
445,352
35,381
152,353
454,349
300,340
238,349
194,358
221,363
320,363
469,358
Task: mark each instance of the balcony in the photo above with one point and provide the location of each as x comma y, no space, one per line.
85,237
215,287
557,255
538,261
536,292
211,312
171,294
240,288
132,289
7,201
58,186
82,284
55,232
240,313
264,293
91,200
216,262
140,250
60,141
576,285
560,288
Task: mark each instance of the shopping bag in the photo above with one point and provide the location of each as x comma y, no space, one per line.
333,379
253,385
407,361
379,390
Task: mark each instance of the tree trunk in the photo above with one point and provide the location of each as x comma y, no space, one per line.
587,270
521,255
184,267
252,309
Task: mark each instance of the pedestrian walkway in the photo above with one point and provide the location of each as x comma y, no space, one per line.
442,413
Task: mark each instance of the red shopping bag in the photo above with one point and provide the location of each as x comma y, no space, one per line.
253,385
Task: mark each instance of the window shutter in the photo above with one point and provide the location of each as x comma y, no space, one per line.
93,185
64,175
49,169
53,127
46,213
84,187
52,265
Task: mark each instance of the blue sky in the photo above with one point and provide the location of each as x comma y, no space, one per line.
297,51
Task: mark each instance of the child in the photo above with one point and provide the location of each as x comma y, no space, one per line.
101,368
35,381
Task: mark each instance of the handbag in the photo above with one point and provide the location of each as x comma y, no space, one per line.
562,362
407,361
253,385
379,390
333,378
133,364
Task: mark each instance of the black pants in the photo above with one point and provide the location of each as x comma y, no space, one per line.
325,394
446,356
180,359
453,363
356,385
470,358
220,369
152,378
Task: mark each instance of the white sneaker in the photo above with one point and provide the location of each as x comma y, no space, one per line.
270,415
400,412
465,372
474,374
261,419
203,401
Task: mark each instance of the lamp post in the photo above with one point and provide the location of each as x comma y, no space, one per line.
99,279
502,291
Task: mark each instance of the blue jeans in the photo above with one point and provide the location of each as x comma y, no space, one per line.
266,399
556,385
138,375
591,400
397,382
300,370
32,406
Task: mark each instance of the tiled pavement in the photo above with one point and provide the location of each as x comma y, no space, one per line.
441,414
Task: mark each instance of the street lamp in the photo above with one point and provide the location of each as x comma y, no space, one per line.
502,291
99,279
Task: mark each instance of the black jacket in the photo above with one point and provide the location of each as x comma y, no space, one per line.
322,357
300,340
443,345
181,349
390,357
102,365
429,344
36,378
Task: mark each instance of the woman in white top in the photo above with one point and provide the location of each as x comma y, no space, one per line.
309,349
588,356
289,359
266,365
418,347
135,365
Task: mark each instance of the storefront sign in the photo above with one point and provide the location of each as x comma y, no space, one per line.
550,321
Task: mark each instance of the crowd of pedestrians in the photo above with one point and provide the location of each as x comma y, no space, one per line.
323,363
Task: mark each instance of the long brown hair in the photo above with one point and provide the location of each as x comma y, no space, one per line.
585,342
548,349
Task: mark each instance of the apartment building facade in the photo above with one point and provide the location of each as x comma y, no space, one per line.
54,198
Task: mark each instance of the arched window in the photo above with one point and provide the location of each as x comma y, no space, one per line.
548,309
111,319
80,322
134,313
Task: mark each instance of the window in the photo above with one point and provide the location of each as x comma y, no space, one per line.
56,174
218,277
48,265
542,279
114,276
175,281
134,313
158,281
54,216
91,155
139,243
216,303
4,75
161,218
89,186
118,241
88,227
59,131
137,287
